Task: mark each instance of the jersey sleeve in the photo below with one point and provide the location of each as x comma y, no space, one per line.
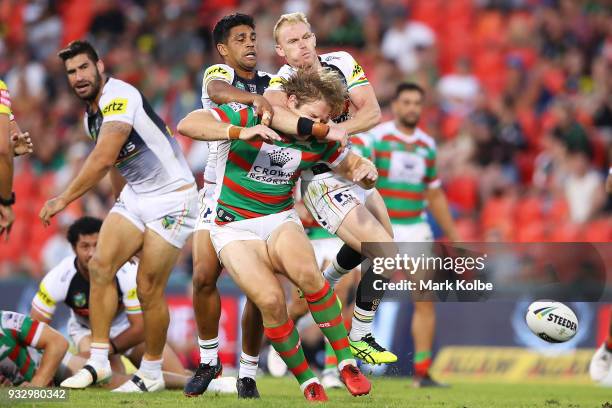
127,283
276,81
353,72
431,172
236,114
50,292
5,101
24,330
120,103
332,155
217,72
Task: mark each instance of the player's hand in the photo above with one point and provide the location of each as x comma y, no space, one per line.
365,174
5,382
22,143
337,134
7,217
51,208
264,109
259,131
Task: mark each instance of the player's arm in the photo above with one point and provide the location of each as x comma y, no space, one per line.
288,122
609,182
53,346
367,111
134,334
131,336
205,125
21,142
358,169
49,293
221,92
6,157
113,136
438,206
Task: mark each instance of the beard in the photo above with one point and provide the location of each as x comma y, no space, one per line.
409,122
94,88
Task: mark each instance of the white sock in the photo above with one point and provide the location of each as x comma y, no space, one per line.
248,366
98,354
209,351
361,323
344,363
334,272
308,382
151,368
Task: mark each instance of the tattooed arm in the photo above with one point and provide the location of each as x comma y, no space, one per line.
113,136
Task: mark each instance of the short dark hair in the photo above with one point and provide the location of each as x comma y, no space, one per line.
223,26
76,48
83,226
408,86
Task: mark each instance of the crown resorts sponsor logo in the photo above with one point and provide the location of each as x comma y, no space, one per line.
275,165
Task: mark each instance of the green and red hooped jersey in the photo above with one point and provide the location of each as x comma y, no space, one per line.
17,333
254,178
406,169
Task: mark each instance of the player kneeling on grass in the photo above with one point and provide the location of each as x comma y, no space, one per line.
257,231
69,281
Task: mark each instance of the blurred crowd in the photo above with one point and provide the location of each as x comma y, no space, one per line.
518,98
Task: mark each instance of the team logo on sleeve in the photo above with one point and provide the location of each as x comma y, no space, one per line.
5,98
115,107
275,164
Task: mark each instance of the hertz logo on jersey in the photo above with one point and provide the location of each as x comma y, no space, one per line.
115,107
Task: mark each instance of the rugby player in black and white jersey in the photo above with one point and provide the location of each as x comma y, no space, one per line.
154,214
343,209
236,80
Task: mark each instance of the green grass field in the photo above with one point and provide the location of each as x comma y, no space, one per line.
386,393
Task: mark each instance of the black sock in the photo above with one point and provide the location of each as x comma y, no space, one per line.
368,297
348,258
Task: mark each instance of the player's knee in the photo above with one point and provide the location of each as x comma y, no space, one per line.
309,279
148,292
272,306
100,270
204,279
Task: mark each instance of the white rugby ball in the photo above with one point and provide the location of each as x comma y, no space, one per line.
552,321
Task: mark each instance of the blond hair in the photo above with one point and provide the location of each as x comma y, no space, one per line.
315,85
291,18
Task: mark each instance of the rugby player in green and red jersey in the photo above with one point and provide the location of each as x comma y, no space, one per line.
257,231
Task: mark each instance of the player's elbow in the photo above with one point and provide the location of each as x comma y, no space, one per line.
375,115
188,127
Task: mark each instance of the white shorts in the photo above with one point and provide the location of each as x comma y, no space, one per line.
259,228
419,232
329,200
326,249
207,208
77,331
361,193
172,215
